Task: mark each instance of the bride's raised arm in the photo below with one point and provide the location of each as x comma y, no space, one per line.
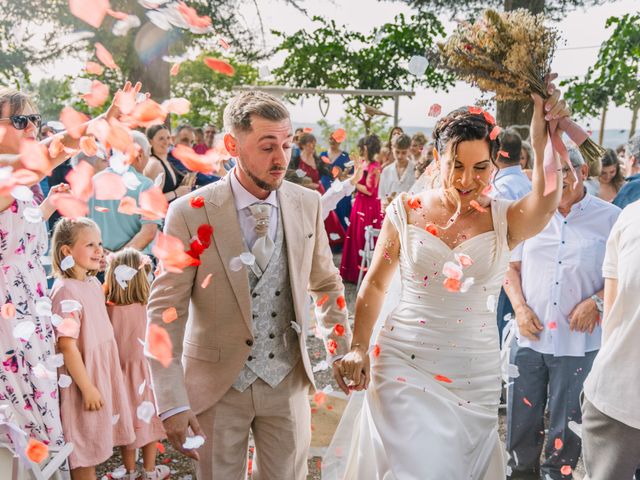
355,365
530,214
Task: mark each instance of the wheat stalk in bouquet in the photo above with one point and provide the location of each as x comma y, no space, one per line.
510,54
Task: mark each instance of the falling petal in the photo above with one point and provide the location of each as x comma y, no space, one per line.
442,378
34,157
452,270
24,330
22,193
452,284
207,280
43,307
235,264
122,26
93,68
495,131
170,315
435,110
69,206
141,387
417,65
32,215
109,186
67,263
145,411
124,274
159,344
89,11
40,371
192,443
491,303
175,69
69,327
36,451
8,311
339,135
105,57
98,94
65,381
56,361
219,66
73,121
131,180
467,284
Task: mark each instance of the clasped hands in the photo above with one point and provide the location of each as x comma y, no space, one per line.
352,372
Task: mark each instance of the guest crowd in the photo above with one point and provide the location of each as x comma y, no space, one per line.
565,362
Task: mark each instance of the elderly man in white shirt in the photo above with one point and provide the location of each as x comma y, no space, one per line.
556,287
398,177
610,414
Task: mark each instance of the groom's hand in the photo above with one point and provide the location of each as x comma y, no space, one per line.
177,426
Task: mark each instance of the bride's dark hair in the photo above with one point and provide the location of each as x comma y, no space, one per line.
461,125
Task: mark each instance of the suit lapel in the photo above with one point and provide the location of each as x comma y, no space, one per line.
293,221
227,236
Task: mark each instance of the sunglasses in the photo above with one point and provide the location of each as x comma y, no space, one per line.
20,122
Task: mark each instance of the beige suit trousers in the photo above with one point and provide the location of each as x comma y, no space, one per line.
280,420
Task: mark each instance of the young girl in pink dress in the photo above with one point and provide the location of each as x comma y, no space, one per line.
365,211
127,288
94,407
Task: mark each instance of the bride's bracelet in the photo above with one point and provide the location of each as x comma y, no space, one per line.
358,345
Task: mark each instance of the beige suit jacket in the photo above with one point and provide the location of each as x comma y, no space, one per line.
213,333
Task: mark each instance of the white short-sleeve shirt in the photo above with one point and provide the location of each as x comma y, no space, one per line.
613,385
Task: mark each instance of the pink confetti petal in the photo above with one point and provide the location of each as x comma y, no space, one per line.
89,11
105,57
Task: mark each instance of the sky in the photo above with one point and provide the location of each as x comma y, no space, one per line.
582,30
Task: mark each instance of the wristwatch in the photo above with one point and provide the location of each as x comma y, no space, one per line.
599,303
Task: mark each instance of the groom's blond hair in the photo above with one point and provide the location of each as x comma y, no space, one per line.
238,112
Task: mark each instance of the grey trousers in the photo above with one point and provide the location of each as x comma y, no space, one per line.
611,448
543,378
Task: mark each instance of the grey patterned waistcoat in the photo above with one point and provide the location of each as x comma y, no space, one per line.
275,349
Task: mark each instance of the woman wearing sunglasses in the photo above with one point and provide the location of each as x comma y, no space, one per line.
28,378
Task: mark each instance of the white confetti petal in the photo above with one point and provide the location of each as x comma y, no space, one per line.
124,274
121,471
513,371
65,381
337,186
145,411
452,270
67,263
122,27
301,173
32,215
296,326
118,162
264,72
467,284
235,264
24,330
43,307
68,306
328,389
576,428
323,365
247,258
115,418
55,361
191,443
141,387
56,320
40,371
158,19
22,193
417,65
130,180
334,236
491,303
507,317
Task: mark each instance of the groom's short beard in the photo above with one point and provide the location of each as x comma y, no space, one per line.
268,187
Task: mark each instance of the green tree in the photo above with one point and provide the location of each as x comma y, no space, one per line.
51,95
334,57
615,77
27,25
209,91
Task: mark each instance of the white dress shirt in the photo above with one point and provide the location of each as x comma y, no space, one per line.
392,184
613,385
561,267
243,200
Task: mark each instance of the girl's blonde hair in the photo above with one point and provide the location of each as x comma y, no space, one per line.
138,287
65,232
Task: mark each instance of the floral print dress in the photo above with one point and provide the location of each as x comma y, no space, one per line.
28,378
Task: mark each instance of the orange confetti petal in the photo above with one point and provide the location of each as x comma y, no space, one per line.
477,206
109,186
101,209
488,117
88,146
495,131
322,300
117,15
160,447
566,470
341,302
175,69
502,153
475,110
81,180
93,68
219,66
128,206
118,136
73,121
332,346
105,57
69,206
148,113
434,110
153,204
557,444
36,451
307,129
56,147
98,95
34,156
452,284
339,135
432,229
192,17
552,325
414,203
335,171
169,315
89,11
442,378
159,344
207,280
8,311
376,350
319,398
179,106
170,251
526,402
339,330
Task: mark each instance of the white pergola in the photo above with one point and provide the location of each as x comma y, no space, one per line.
282,90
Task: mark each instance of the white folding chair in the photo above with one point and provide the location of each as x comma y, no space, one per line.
370,235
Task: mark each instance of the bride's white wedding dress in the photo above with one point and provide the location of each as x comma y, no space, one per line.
431,410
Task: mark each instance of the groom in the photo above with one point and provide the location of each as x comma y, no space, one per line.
240,361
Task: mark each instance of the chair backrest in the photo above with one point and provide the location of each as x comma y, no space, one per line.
370,235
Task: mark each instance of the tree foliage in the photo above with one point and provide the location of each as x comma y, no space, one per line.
209,91
332,56
554,9
615,77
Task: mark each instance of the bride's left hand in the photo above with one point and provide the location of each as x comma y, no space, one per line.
354,367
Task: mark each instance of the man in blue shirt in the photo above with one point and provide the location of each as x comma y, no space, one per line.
630,192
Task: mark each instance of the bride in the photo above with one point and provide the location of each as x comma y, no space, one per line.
431,410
